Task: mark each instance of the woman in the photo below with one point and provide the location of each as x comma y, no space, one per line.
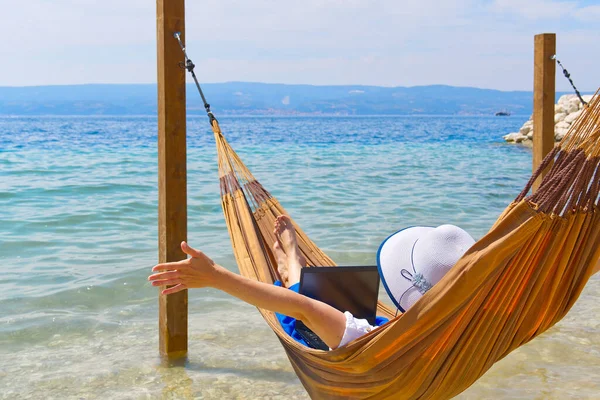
410,262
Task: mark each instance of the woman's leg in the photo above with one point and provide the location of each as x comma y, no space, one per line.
281,263
287,241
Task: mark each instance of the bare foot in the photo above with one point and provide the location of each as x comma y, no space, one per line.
286,235
280,224
281,263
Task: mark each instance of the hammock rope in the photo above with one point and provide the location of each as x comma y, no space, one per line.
517,281
568,76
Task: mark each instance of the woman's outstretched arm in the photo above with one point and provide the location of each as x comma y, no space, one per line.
200,271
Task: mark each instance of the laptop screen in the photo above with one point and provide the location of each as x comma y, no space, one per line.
352,289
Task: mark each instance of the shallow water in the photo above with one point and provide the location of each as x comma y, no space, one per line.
78,234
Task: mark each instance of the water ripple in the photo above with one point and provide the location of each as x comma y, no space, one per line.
78,235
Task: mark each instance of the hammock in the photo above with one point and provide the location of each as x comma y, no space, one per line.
520,279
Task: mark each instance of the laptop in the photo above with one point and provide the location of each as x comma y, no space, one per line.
352,289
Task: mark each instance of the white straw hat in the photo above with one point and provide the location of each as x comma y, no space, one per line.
414,259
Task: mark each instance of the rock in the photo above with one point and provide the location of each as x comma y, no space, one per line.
530,135
572,107
572,117
515,137
566,99
566,111
560,133
525,129
587,98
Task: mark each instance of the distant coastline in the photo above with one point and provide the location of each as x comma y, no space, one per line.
264,99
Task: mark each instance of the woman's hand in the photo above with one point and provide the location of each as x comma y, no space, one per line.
195,272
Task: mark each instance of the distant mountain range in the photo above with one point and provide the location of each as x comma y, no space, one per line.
242,98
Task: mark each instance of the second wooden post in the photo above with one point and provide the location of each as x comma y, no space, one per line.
544,93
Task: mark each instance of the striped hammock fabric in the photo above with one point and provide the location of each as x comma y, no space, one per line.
517,281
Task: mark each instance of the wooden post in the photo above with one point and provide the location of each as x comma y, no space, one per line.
172,171
544,92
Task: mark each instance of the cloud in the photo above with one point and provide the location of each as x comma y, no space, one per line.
382,42
588,14
535,9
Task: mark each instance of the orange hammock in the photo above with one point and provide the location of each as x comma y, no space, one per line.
520,279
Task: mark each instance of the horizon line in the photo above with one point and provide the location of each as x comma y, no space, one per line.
270,83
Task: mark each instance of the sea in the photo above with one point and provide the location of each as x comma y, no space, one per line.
78,237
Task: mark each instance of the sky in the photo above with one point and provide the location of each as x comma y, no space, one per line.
486,44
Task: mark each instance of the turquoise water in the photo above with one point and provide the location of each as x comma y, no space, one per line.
78,235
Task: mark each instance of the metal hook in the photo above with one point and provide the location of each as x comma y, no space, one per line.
177,35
